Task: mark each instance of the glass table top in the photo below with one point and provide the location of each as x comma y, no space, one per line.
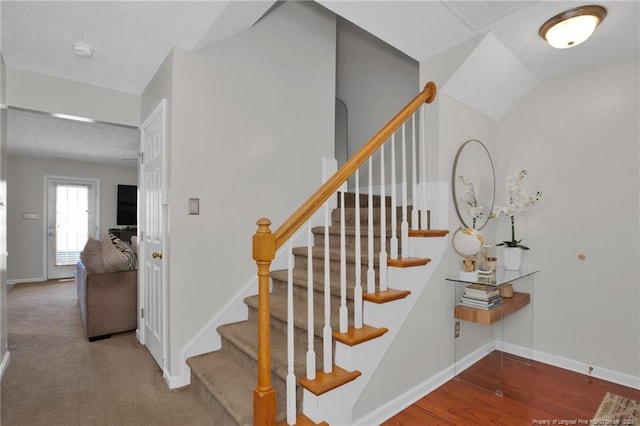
501,276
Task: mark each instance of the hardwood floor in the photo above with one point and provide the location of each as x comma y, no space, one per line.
532,394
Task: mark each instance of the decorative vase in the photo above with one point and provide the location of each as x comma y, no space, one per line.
512,258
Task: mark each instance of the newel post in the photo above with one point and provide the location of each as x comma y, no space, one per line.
264,396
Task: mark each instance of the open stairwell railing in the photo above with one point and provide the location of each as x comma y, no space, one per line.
409,127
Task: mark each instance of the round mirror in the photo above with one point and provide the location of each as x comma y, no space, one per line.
473,184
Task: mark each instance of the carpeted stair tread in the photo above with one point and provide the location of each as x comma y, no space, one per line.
244,336
350,230
278,310
334,255
228,382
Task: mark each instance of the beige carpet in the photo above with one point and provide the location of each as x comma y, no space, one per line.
56,377
615,409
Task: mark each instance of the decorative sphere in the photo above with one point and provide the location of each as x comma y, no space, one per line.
467,242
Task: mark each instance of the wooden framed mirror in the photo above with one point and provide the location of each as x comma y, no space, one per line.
473,184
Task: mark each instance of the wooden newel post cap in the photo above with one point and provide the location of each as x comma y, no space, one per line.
434,91
264,243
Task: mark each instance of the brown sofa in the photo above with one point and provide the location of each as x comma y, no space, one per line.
108,301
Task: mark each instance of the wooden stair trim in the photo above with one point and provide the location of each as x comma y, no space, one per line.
428,232
302,420
388,295
355,336
324,382
408,262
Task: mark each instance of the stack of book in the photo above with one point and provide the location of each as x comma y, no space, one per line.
481,296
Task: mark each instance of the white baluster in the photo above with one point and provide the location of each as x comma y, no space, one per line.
344,312
291,378
357,292
394,204
311,354
423,169
371,273
404,226
414,177
382,265
327,354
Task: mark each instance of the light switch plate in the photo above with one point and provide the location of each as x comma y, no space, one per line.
194,206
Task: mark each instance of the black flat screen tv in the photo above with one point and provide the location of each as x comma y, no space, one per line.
127,213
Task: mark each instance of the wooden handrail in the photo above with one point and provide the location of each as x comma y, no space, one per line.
313,203
265,244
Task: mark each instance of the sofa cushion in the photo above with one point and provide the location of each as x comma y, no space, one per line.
114,259
91,256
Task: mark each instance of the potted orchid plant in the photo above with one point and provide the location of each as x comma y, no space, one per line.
518,202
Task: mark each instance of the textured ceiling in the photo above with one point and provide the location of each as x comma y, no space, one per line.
40,135
131,39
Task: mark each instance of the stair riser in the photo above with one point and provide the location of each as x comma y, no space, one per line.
300,290
349,200
350,218
300,263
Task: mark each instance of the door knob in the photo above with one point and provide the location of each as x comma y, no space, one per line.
156,255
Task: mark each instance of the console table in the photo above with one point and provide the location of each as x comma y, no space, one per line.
487,338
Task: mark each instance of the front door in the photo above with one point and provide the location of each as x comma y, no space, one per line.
152,225
71,219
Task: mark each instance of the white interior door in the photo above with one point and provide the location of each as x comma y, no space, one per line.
152,226
71,218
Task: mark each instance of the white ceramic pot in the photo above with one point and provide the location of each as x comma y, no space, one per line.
512,258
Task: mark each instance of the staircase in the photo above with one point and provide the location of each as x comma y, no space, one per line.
225,379
317,330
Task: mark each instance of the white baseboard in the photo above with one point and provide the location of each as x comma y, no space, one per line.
25,280
177,381
576,366
396,405
5,363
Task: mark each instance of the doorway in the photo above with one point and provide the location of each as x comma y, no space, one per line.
72,206
152,226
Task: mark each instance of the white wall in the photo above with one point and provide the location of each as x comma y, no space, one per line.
251,116
25,186
578,137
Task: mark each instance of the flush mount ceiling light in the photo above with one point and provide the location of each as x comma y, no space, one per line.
573,26
82,49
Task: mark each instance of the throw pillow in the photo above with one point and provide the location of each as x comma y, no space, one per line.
125,249
114,260
91,256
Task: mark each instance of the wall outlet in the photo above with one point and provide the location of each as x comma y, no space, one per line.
456,330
